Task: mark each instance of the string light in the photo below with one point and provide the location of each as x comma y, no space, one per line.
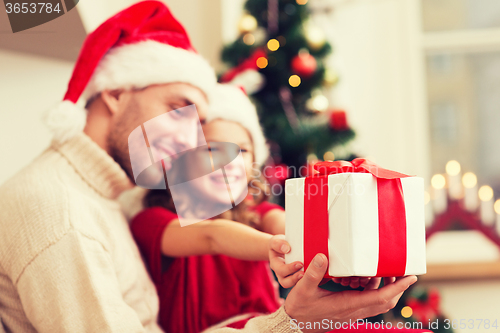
312,158
294,80
247,23
261,62
438,181
485,193
301,2
406,312
453,168
329,156
469,180
273,44
248,39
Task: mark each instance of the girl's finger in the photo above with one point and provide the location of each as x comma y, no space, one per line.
291,280
288,269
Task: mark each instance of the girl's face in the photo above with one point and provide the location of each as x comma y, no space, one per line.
237,174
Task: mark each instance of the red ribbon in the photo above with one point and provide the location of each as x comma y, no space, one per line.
391,213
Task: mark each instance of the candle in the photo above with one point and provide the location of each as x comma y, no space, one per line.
487,211
454,183
497,211
439,192
429,214
471,200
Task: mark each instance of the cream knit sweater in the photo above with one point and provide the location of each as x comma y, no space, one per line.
68,262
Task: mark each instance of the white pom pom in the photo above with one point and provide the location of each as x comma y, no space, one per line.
65,120
251,80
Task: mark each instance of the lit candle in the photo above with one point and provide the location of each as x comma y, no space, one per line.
454,183
471,201
487,212
497,210
439,192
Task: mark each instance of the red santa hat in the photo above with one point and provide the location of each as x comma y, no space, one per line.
140,46
229,102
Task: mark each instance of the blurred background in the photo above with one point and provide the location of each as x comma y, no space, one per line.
417,80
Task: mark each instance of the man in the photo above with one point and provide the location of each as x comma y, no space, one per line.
68,262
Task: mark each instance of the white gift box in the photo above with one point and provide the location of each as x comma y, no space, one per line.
353,224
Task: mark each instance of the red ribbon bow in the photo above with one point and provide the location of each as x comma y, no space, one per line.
391,213
358,165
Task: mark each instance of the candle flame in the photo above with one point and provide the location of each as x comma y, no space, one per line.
485,193
497,206
469,180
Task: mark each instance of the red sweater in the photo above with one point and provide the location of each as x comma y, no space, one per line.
200,291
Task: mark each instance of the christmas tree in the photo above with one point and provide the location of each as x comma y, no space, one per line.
279,58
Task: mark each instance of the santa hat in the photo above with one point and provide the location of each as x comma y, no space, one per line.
140,46
231,103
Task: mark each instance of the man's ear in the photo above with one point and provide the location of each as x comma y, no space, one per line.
112,99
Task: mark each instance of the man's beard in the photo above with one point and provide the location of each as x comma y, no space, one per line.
120,155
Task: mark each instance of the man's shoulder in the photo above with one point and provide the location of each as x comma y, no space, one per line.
34,208
43,180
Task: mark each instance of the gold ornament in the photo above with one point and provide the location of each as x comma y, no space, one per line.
315,37
331,77
247,23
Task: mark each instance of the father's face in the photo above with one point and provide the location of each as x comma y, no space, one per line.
172,132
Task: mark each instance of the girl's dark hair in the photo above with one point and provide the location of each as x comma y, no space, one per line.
257,188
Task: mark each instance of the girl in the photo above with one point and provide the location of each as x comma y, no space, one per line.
216,269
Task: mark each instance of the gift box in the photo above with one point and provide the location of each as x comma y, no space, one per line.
367,220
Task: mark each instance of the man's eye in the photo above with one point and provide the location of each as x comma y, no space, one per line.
176,113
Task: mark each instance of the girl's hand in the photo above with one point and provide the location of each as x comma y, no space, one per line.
288,274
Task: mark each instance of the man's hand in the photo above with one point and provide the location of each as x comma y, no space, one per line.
309,303
356,282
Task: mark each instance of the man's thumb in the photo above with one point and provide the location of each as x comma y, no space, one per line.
315,272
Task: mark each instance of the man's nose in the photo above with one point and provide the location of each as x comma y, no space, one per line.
187,137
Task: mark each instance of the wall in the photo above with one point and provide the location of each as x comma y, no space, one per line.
28,87
376,54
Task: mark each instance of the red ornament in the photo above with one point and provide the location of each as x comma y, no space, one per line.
276,174
304,65
426,310
338,120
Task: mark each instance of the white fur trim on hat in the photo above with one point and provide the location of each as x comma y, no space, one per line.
65,120
230,103
149,62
